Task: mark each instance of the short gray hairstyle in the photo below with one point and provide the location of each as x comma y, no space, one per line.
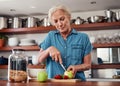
58,7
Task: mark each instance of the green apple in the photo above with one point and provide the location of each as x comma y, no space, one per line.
42,76
69,74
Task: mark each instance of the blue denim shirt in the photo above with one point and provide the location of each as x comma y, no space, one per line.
73,49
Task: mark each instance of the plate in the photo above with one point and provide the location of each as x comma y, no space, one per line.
26,44
27,40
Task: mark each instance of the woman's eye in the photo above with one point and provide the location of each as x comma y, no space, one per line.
55,21
62,19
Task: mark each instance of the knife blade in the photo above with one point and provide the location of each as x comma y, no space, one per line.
63,66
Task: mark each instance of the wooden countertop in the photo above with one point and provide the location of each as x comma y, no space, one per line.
87,83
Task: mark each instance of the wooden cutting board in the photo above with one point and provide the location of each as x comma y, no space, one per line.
64,80
59,80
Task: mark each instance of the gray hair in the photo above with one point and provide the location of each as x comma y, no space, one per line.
58,7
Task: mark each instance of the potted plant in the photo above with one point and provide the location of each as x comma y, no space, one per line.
3,39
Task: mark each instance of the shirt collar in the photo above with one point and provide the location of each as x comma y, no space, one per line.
72,32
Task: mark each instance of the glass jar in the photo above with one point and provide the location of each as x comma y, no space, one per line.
17,66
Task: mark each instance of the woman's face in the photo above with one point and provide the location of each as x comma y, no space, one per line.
61,21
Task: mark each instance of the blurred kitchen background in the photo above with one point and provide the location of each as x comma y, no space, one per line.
99,55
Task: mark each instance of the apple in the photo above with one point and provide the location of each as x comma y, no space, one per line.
69,74
58,76
42,76
65,77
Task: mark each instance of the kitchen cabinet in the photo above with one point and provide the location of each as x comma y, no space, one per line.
82,27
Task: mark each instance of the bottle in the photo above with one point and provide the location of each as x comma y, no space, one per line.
17,66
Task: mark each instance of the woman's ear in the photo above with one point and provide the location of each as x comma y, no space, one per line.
69,17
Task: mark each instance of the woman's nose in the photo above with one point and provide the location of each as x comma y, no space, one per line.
60,24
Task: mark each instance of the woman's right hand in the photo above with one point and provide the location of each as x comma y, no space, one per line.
55,54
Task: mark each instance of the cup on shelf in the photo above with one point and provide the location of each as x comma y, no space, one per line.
13,41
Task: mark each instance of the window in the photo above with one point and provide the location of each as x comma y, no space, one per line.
104,54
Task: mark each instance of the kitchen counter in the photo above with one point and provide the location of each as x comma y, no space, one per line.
80,83
104,79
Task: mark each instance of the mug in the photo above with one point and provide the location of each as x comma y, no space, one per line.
13,41
34,60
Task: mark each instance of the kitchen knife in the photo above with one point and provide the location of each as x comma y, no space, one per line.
63,66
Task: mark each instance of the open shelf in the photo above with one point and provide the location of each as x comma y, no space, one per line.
106,66
94,66
106,45
27,48
97,26
36,48
3,66
37,66
82,27
29,66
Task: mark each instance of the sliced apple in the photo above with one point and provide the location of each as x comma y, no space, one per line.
69,74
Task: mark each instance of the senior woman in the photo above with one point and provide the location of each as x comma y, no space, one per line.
65,46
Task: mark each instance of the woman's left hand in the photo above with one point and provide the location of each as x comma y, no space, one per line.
73,69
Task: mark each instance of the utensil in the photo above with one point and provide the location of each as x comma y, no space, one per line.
31,22
63,66
96,19
117,16
79,21
3,23
45,22
109,13
17,22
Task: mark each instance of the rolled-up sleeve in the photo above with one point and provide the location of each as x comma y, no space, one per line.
46,43
88,46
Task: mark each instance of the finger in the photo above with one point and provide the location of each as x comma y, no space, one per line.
53,57
70,68
56,58
60,59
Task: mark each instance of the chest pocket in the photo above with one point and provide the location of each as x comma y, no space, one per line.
76,54
77,51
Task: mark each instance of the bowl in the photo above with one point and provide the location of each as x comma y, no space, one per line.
32,72
96,19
